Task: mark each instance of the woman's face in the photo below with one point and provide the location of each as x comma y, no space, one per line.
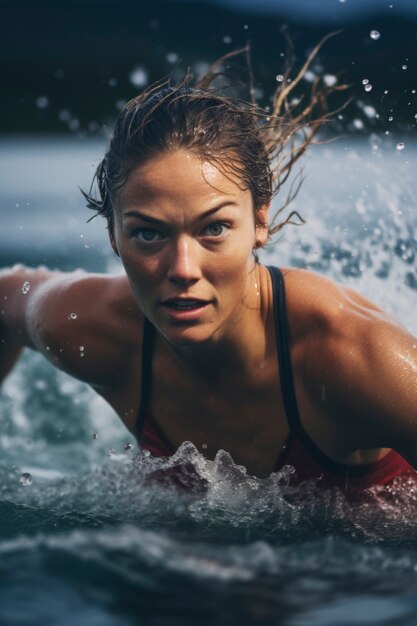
185,234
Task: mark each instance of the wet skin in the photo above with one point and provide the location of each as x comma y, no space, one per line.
185,233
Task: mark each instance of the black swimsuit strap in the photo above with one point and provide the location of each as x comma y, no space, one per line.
146,375
287,382
283,350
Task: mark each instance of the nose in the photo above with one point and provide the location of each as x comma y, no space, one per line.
184,261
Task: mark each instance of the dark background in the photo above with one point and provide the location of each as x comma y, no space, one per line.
66,64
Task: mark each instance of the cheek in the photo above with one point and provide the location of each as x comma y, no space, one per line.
229,274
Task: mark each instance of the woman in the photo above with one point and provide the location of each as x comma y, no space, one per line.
200,342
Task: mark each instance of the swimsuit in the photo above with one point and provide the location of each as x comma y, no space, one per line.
299,449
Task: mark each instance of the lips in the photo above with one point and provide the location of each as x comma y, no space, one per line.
183,304
185,310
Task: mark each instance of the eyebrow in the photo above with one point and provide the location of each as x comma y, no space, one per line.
154,220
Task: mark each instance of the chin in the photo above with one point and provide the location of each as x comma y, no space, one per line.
188,336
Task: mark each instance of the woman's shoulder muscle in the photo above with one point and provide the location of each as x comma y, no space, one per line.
357,364
86,324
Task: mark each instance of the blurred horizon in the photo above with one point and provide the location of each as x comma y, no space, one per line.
70,65
320,10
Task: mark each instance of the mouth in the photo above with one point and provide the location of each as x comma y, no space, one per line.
185,310
185,304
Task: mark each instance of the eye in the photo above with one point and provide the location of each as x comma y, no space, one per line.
217,229
148,235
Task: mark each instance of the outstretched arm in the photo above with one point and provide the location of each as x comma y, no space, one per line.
87,325
18,287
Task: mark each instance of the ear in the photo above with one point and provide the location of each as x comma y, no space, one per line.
261,229
110,231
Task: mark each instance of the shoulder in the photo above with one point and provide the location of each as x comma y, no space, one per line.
357,365
322,309
86,324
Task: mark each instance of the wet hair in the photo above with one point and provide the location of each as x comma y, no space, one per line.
254,147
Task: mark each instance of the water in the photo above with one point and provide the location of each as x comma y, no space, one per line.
95,536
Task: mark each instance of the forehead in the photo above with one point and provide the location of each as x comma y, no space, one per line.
181,173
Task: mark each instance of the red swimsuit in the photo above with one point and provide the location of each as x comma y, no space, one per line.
299,451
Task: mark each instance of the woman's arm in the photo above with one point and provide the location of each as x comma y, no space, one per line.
80,322
356,369
18,287
87,325
382,374
364,375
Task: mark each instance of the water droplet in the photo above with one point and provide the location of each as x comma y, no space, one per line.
82,354
74,124
227,39
329,80
127,447
139,77
111,452
81,348
400,146
112,82
415,346
72,316
25,287
386,91
365,81
95,436
172,57
404,67
245,26
375,35
146,453
279,78
370,111
42,102
368,87
390,118
415,116
26,479
204,446
64,116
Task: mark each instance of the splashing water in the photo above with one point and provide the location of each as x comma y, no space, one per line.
26,479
